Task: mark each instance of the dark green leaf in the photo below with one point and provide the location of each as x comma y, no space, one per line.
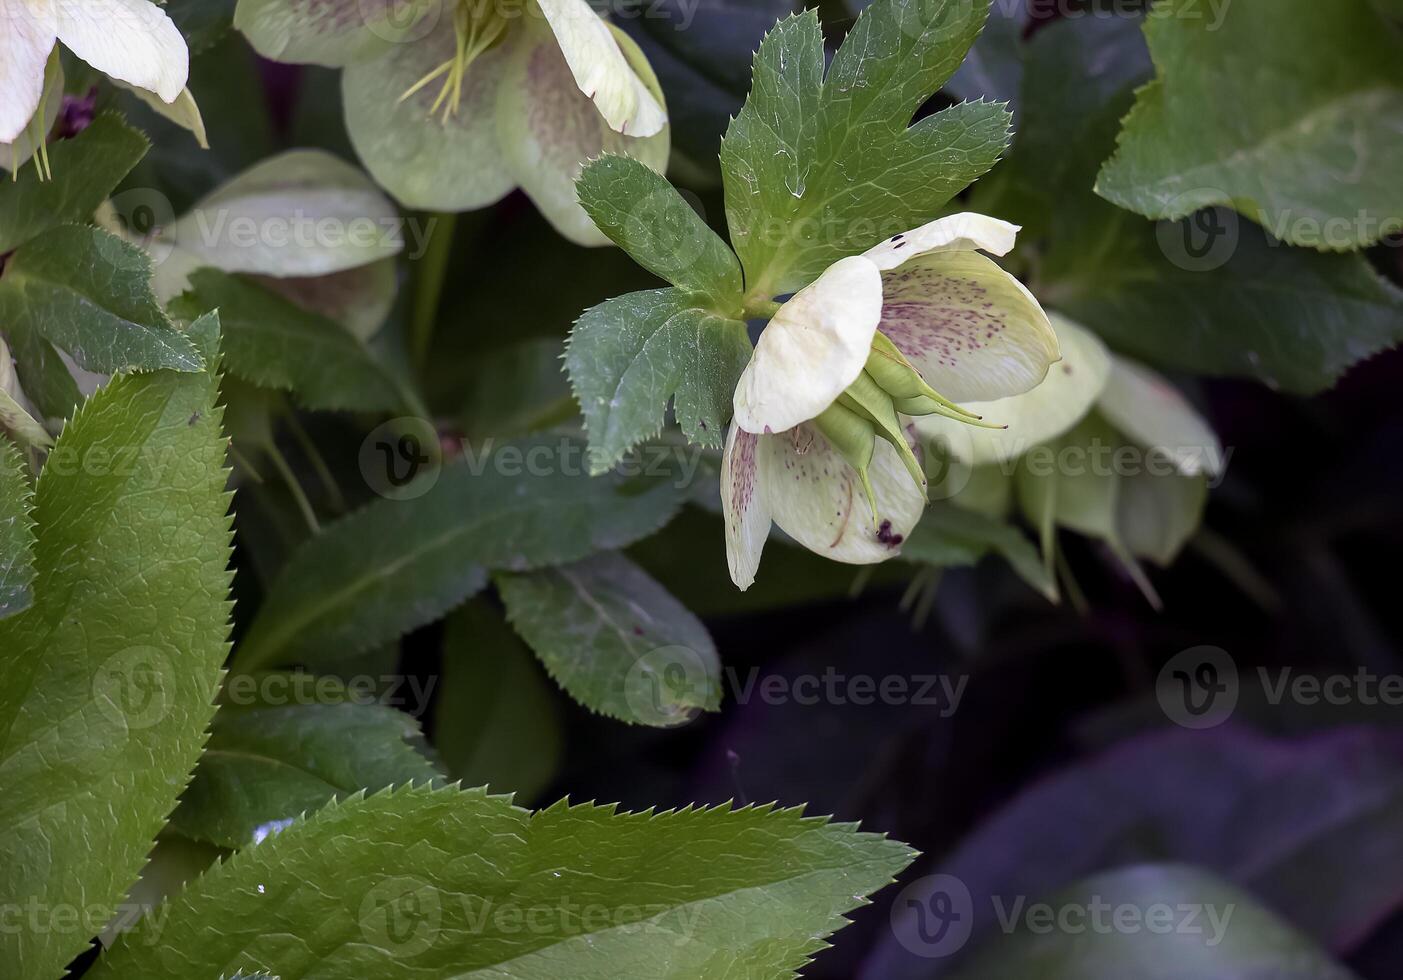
16,532
274,343
89,293
1290,111
400,564
628,356
496,724
819,169
266,766
645,216
86,169
421,883
110,675
616,640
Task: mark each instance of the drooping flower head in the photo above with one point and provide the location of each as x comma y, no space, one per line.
821,443
452,104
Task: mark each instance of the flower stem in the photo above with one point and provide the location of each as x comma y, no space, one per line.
431,269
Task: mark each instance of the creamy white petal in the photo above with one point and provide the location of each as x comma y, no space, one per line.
548,130
1062,400
963,232
131,40
973,330
27,31
14,154
1152,412
743,506
600,69
813,348
817,498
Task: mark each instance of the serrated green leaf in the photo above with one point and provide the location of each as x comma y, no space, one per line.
420,884
274,343
266,766
400,564
496,724
616,640
43,375
817,169
89,293
86,169
1290,111
645,216
1213,295
628,356
993,69
16,532
110,676
954,536
1231,936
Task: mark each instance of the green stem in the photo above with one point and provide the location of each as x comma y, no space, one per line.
299,497
431,270
314,456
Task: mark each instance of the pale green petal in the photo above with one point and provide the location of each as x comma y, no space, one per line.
1158,513
1152,413
16,153
302,213
184,111
1075,479
988,490
817,499
333,32
548,130
421,159
133,41
1062,400
813,348
16,414
963,232
601,70
972,330
26,38
743,506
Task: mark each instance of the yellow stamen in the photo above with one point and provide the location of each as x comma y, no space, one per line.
477,26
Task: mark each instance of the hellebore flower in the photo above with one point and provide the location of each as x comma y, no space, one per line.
909,328
131,41
454,103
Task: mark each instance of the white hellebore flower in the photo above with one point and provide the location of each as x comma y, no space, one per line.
131,41
452,104
821,441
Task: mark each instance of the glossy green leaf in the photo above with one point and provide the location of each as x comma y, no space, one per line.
645,216
86,169
266,766
496,724
616,640
274,343
817,168
1232,936
400,564
89,292
1290,111
420,883
628,356
16,532
110,675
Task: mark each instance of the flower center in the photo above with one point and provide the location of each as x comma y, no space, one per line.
477,26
